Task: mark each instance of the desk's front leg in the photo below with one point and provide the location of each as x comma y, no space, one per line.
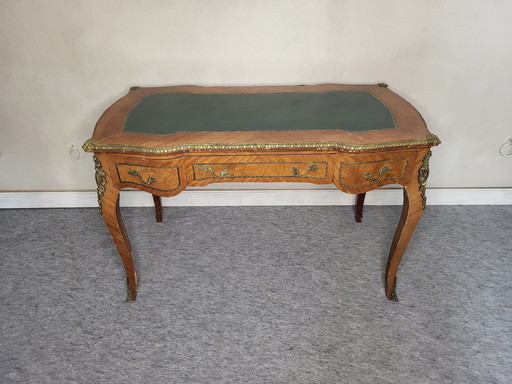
114,222
413,207
108,199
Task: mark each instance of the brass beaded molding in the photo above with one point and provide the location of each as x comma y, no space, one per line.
92,146
101,180
422,178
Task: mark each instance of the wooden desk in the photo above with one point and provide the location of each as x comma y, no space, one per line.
357,137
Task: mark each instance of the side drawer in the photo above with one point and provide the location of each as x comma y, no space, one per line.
261,170
362,174
158,178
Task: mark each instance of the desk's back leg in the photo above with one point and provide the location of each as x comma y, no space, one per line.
414,205
158,208
359,207
114,222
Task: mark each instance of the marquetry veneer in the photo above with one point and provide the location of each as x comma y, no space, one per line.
357,137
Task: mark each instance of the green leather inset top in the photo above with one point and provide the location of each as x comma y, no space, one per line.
352,111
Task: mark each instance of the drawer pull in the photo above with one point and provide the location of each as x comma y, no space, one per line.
206,169
311,168
133,172
385,169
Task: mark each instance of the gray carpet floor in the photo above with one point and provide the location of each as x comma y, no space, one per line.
256,295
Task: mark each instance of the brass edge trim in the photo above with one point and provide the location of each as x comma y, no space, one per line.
91,146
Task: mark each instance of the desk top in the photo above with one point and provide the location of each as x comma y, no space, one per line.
168,113
330,116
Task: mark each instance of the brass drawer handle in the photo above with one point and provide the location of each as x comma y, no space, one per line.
133,172
206,169
311,168
385,169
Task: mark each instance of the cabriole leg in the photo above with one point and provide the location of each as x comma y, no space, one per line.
414,205
108,200
114,222
158,208
359,207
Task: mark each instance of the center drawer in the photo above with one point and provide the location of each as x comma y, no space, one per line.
252,168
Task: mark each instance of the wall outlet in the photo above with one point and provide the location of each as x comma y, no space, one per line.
74,152
506,148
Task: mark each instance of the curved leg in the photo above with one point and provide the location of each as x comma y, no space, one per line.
359,207
414,204
114,222
158,208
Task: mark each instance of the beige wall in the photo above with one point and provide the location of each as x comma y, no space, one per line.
62,62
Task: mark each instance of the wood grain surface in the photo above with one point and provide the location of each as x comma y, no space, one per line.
153,164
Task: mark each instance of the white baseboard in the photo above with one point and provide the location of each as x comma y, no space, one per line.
257,197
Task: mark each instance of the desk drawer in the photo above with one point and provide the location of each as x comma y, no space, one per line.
362,174
261,169
158,178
